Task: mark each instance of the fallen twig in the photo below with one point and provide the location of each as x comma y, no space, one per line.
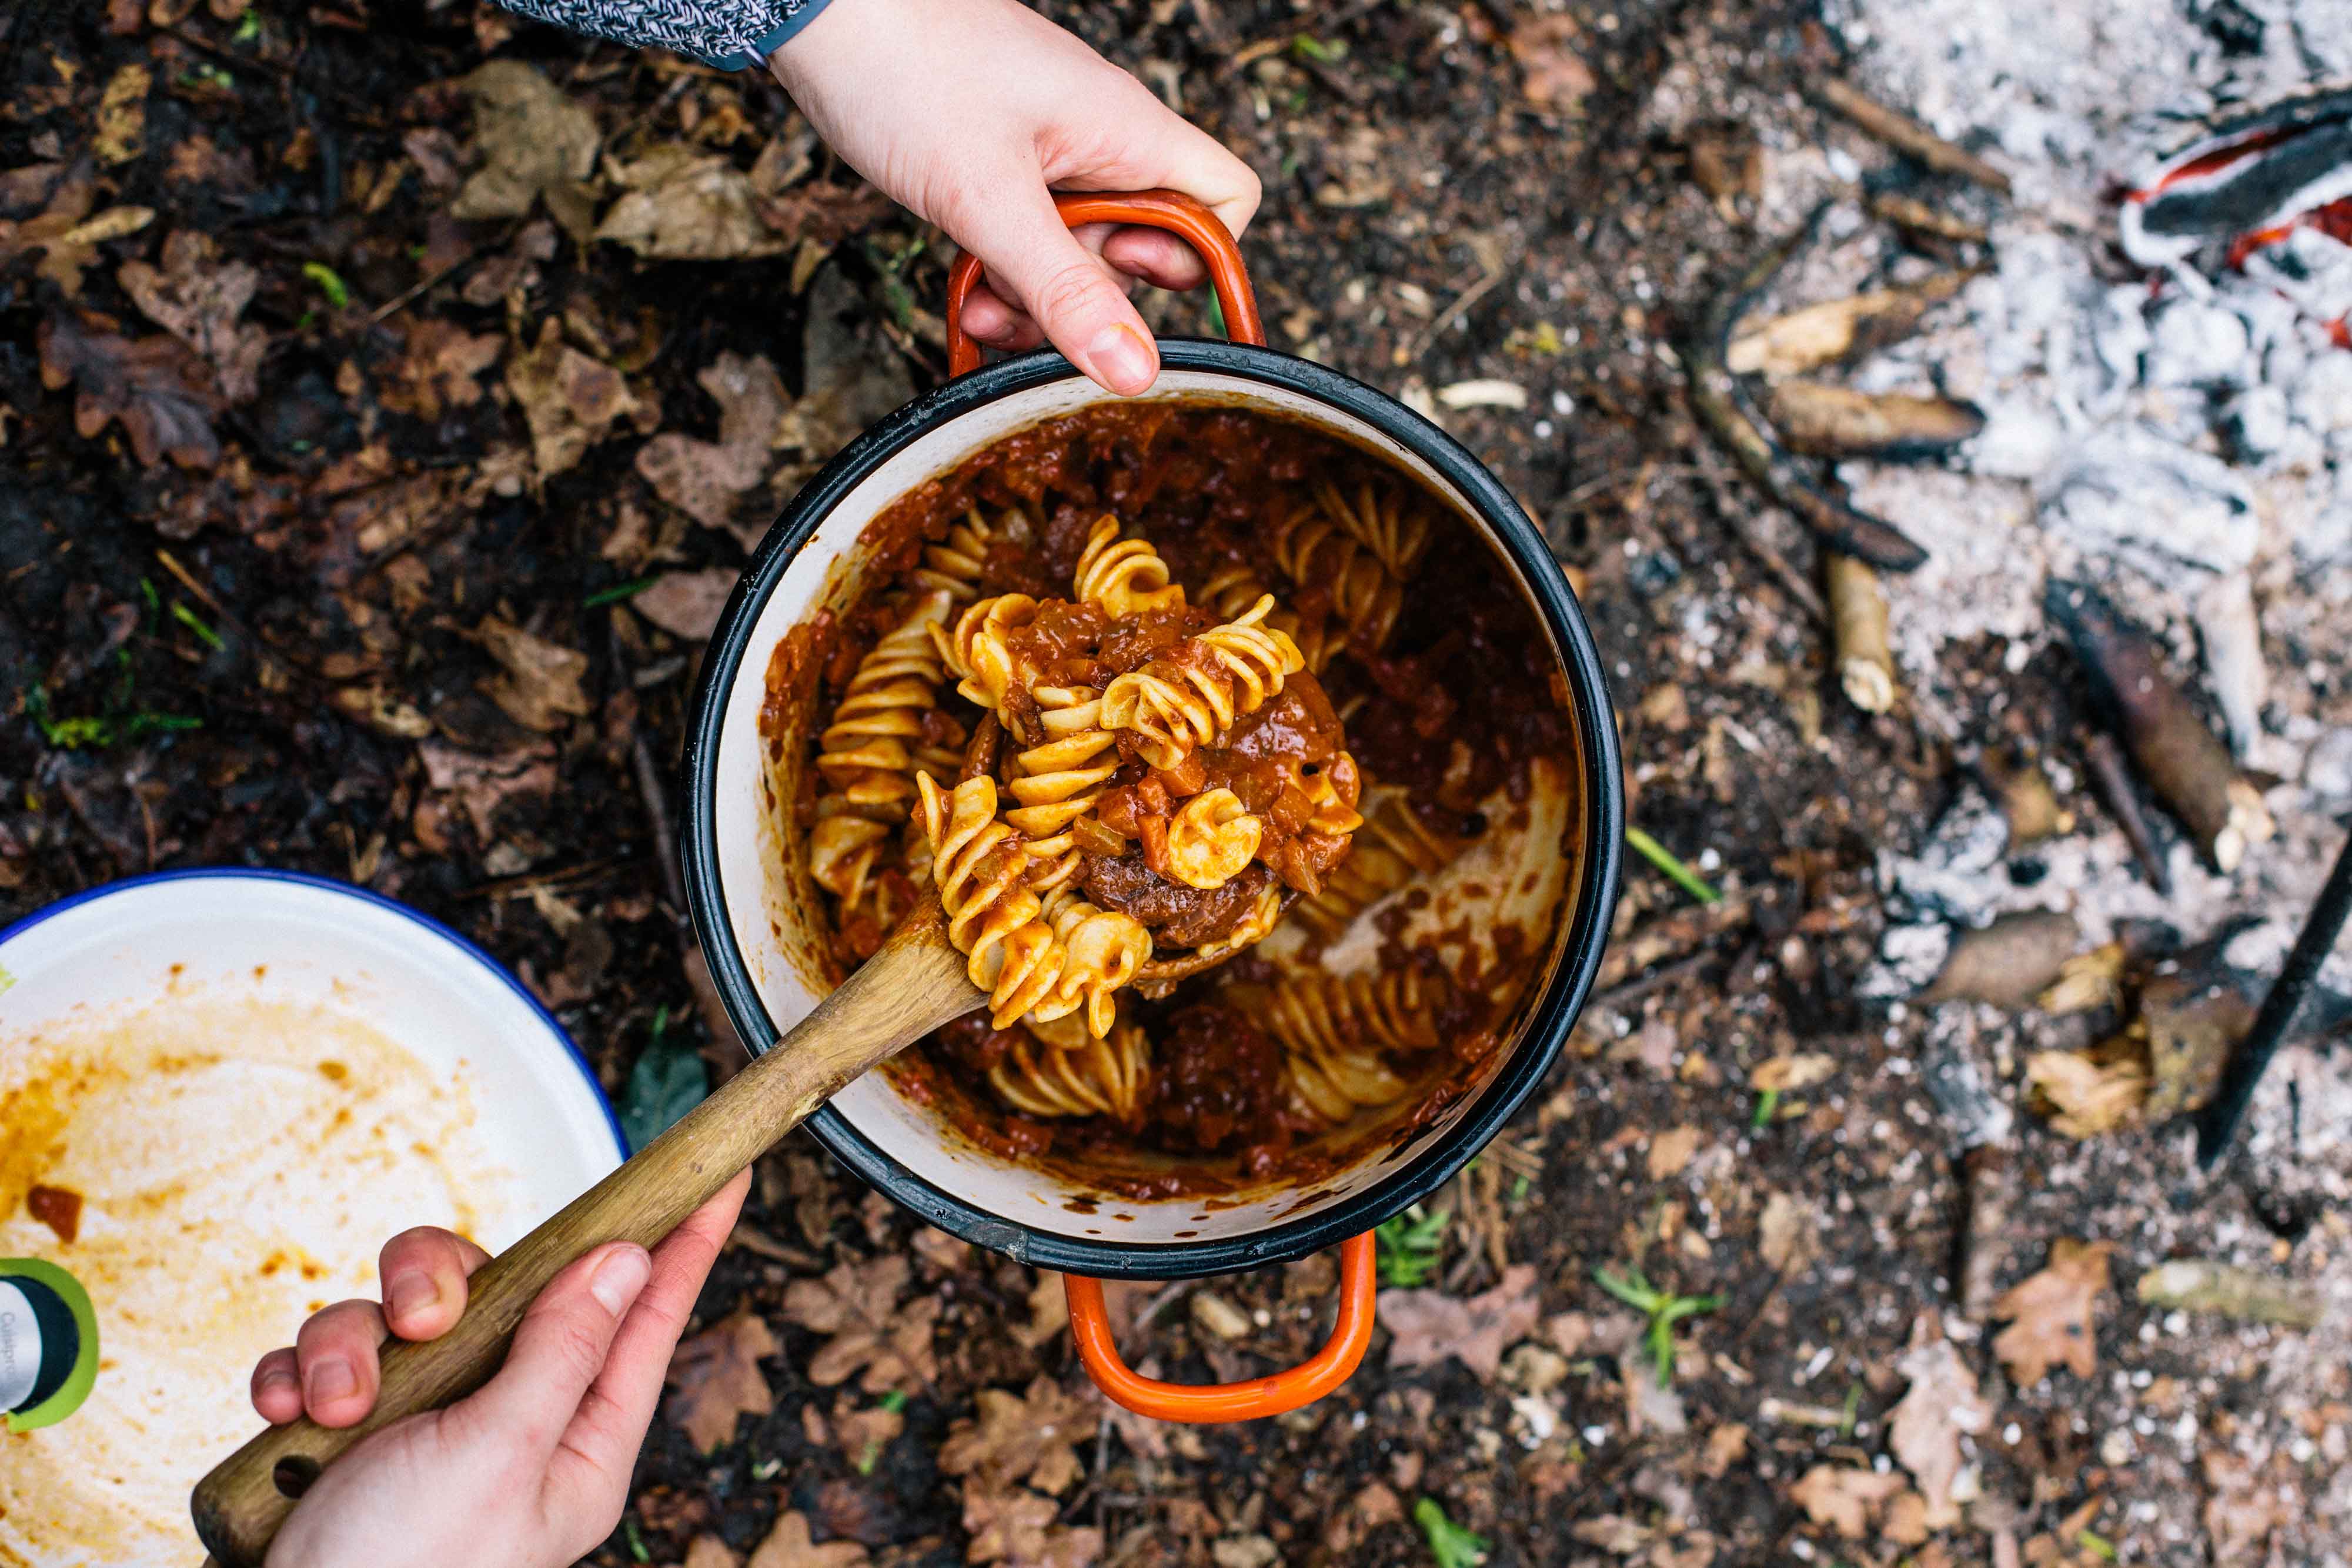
1858,623
1902,133
2199,1286
1721,402
2113,779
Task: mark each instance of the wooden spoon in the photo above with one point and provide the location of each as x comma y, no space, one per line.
912,986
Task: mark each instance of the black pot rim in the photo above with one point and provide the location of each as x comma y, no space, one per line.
1547,1023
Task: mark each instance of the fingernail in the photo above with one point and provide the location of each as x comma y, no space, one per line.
407,1294
271,1381
1121,358
328,1381
619,1278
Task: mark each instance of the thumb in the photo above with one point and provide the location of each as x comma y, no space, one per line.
560,1346
1064,286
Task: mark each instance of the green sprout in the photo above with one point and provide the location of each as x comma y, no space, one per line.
248,28
1307,46
618,592
1452,1546
1664,1311
123,723
1217,315
2095,1544
331,283
637,1552
1766,1104
1410,1246
194,622
1681,875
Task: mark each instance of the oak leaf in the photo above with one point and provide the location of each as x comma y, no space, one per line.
534,143
857,1303
1926,1427
162,396
1671,1150
539,682
703,480
682,204
1554,74
569,400
1843,1497
787,1546
1428,1326
1015,1526
2050,1314
120,132
436,370
687,604
1022,1436
715,1377
198,297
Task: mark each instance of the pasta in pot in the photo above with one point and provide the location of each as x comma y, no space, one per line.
1104,715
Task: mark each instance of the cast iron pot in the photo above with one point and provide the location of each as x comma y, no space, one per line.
762,922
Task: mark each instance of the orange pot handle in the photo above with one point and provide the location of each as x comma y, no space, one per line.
1171,210
1244,1401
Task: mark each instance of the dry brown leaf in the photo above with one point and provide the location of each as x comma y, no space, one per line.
706,1550
436,370
703,480
715,1377
1843,1497
569,399
120,132
857,1303
2050,1314
1671,1150
862,1435
1614,1533
162,394
1554,75
533,142
787,1546
198,297
687,604
2241,1510
682,204
2085,1093
1016,1438
1428,1326
1790,1233
539,682
1015,1526
820,214
1049,1311
1907,1520
1925,1427
1725,1446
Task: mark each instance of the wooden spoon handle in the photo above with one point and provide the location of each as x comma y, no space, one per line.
915,984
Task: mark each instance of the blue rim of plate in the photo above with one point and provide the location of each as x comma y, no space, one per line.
365,896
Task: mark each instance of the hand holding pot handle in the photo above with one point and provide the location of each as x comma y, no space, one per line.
1171,210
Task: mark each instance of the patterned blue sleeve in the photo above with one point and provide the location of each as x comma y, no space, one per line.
732,34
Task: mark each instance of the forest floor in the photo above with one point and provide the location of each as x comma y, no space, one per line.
368,504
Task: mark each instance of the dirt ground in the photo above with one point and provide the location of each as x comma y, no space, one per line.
365,509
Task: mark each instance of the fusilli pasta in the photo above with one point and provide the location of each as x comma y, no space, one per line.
1233,589
1396,536
1059,780
1182,700
1124,576
994,919
1393,847
1211,838
1103,952
976,651
1317,549
1338,1032
953,566
1076,1075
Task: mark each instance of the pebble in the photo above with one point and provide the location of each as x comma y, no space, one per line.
2327,768
2323,397
1218,1315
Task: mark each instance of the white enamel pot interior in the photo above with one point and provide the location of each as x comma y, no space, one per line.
762,920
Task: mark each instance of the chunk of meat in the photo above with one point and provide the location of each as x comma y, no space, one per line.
1176,916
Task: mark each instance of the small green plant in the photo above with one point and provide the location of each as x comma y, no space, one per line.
248,28
331,283
101,730
894,1402
1663,1310
1452,1546
637,1552
668,1081
1410,1245
618,592
2095,1544
1766,1104
1681,875
196,622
